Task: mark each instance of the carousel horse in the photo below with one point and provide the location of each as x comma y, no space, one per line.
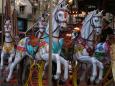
8,46
91,25
59,21
38,49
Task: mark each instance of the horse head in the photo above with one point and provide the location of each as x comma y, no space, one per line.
91,27
96,22
92,23
41,26
61,15
7,26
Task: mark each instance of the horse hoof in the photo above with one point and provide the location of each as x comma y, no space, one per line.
92,79
56,77
5,81
65,77
97,81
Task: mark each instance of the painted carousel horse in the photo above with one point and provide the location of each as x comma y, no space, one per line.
91,25
8,46
59,21
27,46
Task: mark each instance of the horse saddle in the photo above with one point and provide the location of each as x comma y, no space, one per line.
7,47
31,50
100,51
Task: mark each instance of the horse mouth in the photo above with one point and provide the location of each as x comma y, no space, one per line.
63,25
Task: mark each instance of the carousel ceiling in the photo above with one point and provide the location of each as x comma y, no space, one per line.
106,5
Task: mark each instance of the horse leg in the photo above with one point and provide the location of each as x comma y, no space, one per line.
66,67
83,71
10,59
2,60
56,59
12,66
58,72
45,68
100,66
94,70
93,62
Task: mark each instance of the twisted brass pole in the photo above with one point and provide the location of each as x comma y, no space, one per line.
50,46
2,21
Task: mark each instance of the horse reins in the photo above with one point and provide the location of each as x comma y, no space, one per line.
92,24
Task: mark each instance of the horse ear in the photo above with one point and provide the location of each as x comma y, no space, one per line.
60,1
97,11
100,13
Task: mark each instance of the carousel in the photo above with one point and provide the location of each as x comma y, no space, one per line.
65,45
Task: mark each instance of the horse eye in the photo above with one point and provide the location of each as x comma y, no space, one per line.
96,20
59,14
61,5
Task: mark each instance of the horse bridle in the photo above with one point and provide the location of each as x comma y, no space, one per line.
9,36
92,24
48,34
56,18
43,28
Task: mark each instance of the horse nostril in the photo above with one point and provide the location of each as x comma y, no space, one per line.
98,33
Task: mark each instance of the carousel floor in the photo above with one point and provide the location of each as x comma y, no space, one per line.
13,82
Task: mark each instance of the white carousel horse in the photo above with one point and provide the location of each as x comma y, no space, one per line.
8,46
92,24
24,48
59,21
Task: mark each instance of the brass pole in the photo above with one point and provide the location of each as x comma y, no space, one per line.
50,46
2,21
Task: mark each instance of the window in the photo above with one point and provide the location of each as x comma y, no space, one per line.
22,9
22,24
34,10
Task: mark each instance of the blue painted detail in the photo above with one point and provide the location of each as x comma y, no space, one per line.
100,47
56,46
31,50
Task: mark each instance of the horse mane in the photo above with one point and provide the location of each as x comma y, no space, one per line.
85,24
88,17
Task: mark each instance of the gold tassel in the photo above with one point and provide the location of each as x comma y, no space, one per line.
74,76
41,68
